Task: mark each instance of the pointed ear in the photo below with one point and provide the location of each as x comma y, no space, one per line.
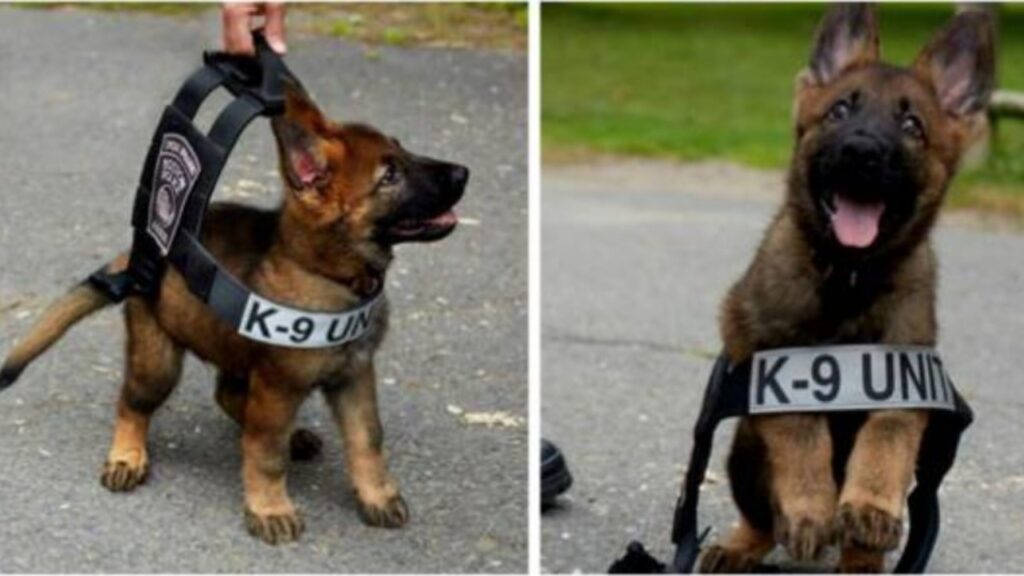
299,134
960,62
847,37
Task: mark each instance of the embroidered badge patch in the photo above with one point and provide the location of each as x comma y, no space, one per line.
175,173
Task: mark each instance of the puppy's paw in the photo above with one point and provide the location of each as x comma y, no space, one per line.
274,528
866,526
392,513
860,561
304,445
124,472
718,559
804,537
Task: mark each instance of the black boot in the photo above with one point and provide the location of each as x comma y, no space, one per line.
555,478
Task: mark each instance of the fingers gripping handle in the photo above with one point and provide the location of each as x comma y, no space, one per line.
262,77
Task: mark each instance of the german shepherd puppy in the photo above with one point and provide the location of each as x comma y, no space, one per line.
351,194
848,259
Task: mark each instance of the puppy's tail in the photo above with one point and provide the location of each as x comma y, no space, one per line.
78,303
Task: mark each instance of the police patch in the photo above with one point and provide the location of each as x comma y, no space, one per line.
175,172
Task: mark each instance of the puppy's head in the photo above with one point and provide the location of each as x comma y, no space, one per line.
877,144
351,184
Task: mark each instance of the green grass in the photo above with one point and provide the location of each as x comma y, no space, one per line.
161,8
696,81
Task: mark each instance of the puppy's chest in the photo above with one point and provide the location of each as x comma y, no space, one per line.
830,316
309,368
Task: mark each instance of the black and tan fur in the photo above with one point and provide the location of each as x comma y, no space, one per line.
807,481
351,194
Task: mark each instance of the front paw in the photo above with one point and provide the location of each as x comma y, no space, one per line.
860,561
869,527
804,536
123,472
391,513
274,529
718,559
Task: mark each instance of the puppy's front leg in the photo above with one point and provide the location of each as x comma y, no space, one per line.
878,475
269,411
354,406
799,449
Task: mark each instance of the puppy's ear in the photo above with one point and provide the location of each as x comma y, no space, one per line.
960,63
847,37
300,140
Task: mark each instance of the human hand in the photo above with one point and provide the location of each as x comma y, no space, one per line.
238,19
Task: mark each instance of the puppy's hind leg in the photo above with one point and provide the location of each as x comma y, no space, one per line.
741,552
751,540
152,369
232,394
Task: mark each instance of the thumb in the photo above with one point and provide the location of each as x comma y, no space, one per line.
274,27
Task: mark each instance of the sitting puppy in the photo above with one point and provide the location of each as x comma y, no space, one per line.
351,194
848,260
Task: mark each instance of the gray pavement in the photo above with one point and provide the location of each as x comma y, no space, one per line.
80,93
636,258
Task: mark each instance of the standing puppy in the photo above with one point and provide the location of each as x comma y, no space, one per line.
848,260
351,194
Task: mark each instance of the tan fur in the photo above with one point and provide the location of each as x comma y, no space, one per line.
796,292
740,552
79,302
319,252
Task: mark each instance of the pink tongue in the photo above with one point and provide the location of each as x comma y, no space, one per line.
446,219
855,224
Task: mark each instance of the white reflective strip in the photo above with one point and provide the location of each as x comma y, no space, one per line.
849,377
274,323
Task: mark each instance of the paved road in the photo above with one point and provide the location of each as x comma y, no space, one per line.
80,93
636,258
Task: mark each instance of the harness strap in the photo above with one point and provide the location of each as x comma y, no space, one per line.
248,313
727,396
179,176
233,120
194,91
720,402
208,281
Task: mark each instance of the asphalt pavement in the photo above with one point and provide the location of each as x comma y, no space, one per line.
636,257
80,94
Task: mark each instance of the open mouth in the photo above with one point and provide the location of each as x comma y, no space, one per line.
855,223
425,229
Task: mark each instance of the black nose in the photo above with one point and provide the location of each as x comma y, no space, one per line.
458,175
863,151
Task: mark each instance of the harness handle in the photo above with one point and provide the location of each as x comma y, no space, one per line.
260,77
179,177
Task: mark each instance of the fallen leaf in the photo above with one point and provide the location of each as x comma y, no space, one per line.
498,418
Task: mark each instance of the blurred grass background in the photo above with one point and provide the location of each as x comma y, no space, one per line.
700,81
500,25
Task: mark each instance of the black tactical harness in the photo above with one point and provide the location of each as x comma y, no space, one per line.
178,179
729,393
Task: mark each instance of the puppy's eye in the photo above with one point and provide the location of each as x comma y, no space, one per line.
390,176
839,111
911,126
